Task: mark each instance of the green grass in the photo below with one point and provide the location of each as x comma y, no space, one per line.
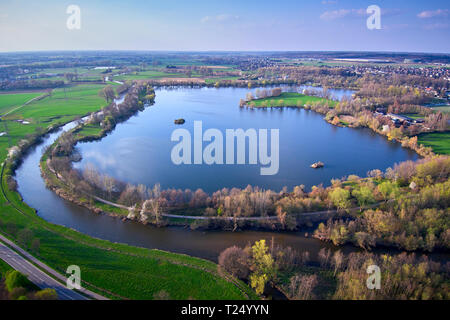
4,268
216,79
438,141
151,74
444,109
90,130
125,271
413,115
290,99
61,107
63,104
10,101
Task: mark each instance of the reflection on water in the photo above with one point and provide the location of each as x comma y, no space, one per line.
139,151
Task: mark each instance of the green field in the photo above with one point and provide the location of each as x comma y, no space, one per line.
10,101
127,271
289,99
216,79
413,115
90,130
444,109
151,74
64,105
438,141
114,270
4,267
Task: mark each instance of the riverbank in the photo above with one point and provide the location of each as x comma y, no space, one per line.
126,272
367,119
215,213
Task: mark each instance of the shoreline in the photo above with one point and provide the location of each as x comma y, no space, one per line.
64,193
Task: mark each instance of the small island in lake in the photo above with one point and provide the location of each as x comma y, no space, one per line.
179,121
317,165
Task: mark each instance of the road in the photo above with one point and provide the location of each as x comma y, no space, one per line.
21,262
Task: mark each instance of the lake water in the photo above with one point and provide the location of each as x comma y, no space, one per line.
138,151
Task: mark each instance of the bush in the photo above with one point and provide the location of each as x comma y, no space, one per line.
46,294
234,260
14,279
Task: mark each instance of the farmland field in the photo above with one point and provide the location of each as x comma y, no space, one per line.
61,107
10,101
290,99
439,141
127,271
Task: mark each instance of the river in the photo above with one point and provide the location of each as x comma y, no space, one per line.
139,143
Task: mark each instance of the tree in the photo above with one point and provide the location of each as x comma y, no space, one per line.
70,76
338,260
15,279
235,261
363,195
46,294
388,189
340,198
276,92
281,216
262,265
258,282
301,287
107,93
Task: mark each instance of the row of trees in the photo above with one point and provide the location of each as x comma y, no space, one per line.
412,200
417,219
335,275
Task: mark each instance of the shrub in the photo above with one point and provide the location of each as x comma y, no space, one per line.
46,294
14,279
234,260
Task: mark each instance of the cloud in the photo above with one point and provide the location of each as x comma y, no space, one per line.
342,13
329,2
220,18
439,13
355,13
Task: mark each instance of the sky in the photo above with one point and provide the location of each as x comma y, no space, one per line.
226,25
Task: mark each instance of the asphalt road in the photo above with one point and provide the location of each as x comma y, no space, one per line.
37,276
21,262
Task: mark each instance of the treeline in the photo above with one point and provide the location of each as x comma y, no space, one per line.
334,275
416,218
405,207
8,85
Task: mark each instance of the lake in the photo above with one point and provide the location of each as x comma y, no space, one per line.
138,151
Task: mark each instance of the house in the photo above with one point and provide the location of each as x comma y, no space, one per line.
380,111
400,118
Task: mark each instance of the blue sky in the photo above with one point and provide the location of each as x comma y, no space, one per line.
245,25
